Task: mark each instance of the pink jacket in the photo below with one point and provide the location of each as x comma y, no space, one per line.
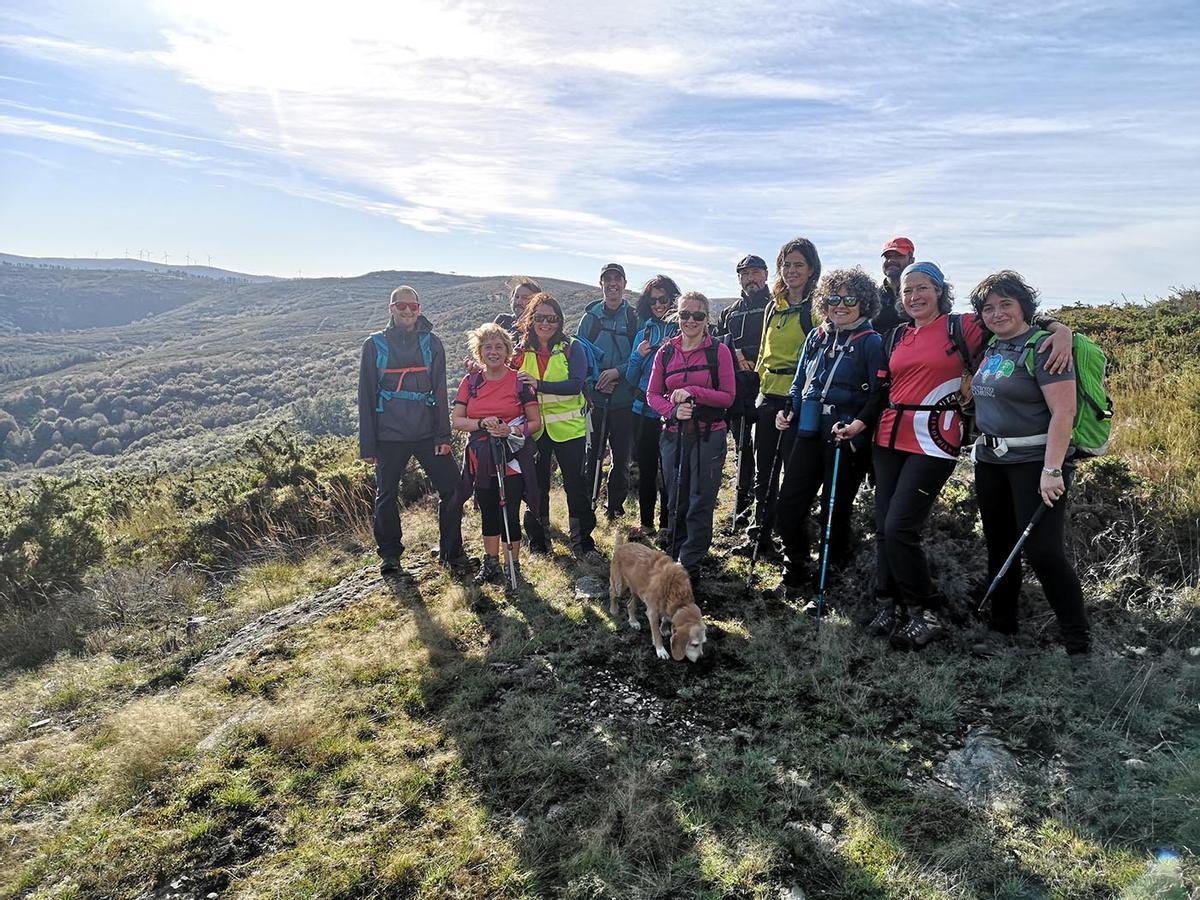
689,368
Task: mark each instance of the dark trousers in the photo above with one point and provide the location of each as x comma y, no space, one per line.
906,485
810,469
619,437
742,428
490,507
651,488
1008,497
703,460
764,452
571,456
391,460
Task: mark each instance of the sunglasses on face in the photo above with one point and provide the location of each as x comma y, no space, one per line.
835,300
405,304
697,316
545,318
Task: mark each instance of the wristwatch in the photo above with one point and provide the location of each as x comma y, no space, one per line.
1053,473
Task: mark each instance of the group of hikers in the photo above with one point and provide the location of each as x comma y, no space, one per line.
821,381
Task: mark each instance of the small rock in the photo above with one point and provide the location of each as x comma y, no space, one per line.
795,892
1136,765
628,701
589,587
556,744
40,723
827,827
1193,651
557,811
653,720
982,770
1138,651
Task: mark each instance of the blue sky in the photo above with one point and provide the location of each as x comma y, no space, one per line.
1059,139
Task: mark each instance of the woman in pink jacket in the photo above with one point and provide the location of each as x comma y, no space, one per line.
692,387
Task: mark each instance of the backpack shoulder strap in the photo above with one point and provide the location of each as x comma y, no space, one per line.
1030,352
630,321
714,365
594,327
893,338
668,353
806,321
426,351
958,337
379,339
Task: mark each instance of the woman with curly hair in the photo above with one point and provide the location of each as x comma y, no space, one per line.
497,411
555,366
787,322
1024,414
655,326
836,396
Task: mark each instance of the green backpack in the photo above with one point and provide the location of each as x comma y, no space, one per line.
1092,429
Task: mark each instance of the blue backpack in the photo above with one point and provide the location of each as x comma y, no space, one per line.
381,361
593,354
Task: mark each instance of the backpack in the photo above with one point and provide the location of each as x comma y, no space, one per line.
706,414
1092,429
598,325
593,354
381,362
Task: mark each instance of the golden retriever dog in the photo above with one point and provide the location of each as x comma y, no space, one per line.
663,585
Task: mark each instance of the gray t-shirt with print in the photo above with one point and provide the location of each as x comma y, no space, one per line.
1009,401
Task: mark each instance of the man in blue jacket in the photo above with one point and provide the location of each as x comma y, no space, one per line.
611,323
403,411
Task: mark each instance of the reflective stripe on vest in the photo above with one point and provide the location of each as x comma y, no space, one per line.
562,414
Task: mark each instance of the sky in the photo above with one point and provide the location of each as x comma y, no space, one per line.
1059,139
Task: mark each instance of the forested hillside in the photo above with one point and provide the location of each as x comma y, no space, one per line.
176,370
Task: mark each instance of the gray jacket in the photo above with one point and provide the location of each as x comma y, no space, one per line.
401,419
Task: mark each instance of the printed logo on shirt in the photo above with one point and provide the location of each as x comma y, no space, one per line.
996,366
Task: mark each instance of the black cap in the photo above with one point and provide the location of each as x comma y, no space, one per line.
750,261
612,267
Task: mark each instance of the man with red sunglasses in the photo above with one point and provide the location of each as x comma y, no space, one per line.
403,411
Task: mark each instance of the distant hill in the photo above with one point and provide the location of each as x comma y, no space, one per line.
130,265
149,368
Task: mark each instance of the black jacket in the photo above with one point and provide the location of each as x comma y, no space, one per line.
403,420
740,325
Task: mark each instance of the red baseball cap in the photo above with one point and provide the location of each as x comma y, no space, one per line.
899,245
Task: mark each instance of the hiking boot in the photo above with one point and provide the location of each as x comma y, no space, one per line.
458,564
489,571
886,618
589,555
921,628
390,565
641,532
508,582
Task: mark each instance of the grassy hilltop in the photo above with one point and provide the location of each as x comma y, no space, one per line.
207,689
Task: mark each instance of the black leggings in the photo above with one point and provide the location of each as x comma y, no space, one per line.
651,488
810,469
489,507
906,485
1008,497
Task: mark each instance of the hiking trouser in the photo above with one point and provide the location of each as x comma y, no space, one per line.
1008,497
489,507
906,485
620,439
764,453
571,456
651,489
810,469
391,459
704,458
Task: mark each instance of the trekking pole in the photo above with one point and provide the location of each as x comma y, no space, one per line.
837,458
678,480
599,467
1034,519
498,457
768,519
